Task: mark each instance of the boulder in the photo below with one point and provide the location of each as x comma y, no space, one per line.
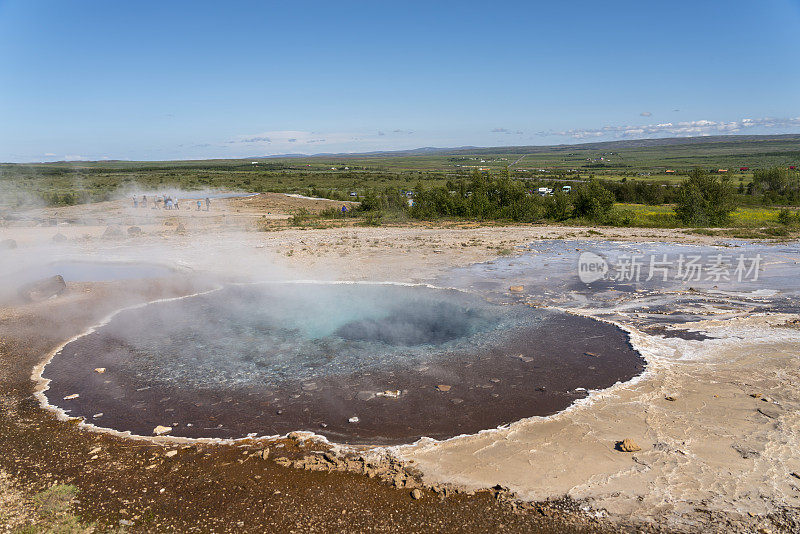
43,289
7,244
112,231
134,231
627,445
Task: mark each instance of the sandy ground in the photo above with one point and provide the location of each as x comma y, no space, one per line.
718,455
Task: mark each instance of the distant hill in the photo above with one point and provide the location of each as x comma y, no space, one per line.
607,146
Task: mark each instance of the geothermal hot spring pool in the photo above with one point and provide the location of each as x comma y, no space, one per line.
358,363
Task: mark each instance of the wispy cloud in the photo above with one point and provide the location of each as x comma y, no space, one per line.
506,131
678,129
645,114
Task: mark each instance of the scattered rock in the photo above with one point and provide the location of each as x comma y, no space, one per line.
516,289
353,419
392,394
95,450
670,398
59,238
264,454
134,231
43,289
746,452
100,370
416,494
7,244
627,445
773,412
795,474
170,454
756,395
592,354
365,395
73,396
112,231
125,522
443,387
181,229
161,430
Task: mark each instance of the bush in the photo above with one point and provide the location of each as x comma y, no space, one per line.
593,201
705,200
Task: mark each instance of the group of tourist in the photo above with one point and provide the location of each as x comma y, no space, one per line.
167,202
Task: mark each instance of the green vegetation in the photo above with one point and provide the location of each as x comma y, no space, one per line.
653,183
705,200
53,508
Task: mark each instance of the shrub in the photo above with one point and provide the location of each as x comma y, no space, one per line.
705,200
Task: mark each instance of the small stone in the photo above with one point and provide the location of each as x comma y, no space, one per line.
73,396
516,289
416,494
264,454
95,450
170,454
773,412
160,430
670,398
353,419
125,522
756,395
100,370
443,388
628,445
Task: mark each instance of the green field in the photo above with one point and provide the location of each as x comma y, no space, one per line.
337,176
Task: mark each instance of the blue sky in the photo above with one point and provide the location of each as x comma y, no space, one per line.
194,79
